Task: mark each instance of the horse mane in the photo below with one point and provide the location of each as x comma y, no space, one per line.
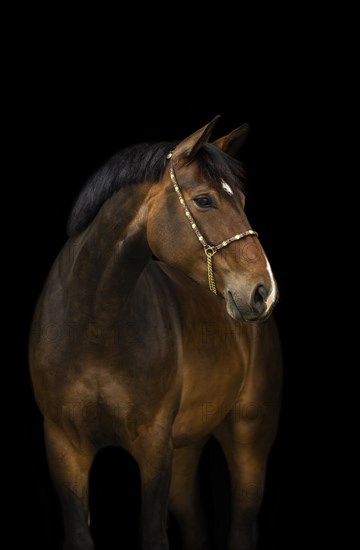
140,163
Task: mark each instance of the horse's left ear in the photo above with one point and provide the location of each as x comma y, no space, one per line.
231,143
189,146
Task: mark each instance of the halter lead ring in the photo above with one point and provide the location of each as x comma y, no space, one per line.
210,250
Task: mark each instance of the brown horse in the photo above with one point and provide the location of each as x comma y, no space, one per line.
142,340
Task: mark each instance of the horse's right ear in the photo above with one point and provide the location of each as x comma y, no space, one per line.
189,146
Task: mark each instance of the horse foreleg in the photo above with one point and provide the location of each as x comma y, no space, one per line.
153,453
185,501
246,447
69,468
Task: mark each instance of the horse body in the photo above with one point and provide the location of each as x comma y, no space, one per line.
127,350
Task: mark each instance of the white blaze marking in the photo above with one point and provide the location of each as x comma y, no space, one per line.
271,298
226,187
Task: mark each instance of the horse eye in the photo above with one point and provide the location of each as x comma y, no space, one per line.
203,202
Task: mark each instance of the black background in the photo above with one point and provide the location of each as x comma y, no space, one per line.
67,119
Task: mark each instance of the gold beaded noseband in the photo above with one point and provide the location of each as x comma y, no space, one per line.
209,249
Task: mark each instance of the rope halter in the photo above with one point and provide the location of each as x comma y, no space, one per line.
210,250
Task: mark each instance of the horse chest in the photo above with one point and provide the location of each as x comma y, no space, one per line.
211,390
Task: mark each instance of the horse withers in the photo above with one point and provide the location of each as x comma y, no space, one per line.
156,315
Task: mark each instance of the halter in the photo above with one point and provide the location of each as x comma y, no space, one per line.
209,249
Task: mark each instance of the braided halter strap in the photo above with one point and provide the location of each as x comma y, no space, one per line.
209,249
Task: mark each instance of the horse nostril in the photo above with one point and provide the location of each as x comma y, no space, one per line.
258,300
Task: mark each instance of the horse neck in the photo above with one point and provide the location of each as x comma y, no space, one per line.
110,256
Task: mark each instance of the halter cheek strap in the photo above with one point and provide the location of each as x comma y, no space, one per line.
209,249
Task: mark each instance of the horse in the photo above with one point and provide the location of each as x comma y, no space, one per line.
154,332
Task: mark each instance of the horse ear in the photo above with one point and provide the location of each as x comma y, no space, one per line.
189,146
231,143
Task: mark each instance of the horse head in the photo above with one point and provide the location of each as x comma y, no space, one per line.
197,224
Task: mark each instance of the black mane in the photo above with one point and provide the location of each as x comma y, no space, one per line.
135,164
139,163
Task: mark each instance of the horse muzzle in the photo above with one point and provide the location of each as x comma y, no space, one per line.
254,305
